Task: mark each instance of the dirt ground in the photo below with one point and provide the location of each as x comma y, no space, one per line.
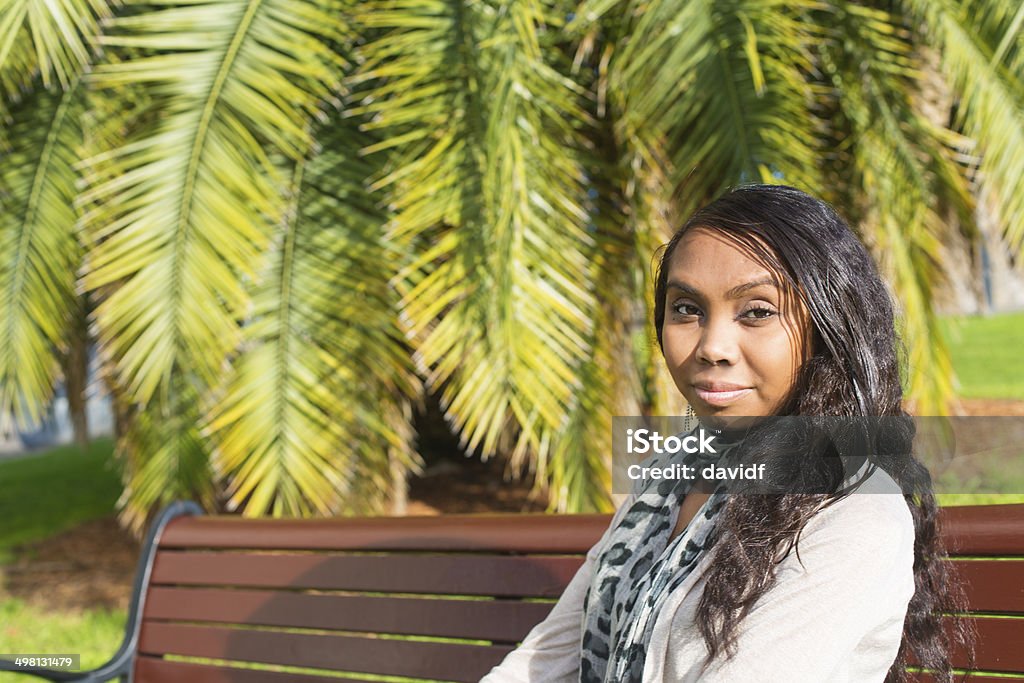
991,406
92,565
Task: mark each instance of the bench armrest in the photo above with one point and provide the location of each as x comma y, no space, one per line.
119,666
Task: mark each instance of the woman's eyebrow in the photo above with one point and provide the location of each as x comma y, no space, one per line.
734,293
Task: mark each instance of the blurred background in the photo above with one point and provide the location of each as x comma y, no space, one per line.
325,257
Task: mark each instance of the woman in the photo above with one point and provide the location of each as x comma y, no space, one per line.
766,305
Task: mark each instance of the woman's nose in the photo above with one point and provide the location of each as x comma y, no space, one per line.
718,343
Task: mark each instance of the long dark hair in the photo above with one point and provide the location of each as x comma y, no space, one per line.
853,371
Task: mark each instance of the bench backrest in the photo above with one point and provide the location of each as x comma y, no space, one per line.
986,548
441,598
433,597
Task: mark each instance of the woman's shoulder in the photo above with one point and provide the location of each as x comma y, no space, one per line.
871,524
850,576
877,497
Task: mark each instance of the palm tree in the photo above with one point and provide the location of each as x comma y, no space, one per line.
293,217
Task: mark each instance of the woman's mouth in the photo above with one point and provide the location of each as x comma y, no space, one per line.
719,395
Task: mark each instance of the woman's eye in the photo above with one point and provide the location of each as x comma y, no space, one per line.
685,309
758,313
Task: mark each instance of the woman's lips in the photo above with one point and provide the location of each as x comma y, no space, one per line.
721,397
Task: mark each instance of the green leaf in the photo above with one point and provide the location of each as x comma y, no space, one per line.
991,106
181,213
165,458
51,40
488,187
39,249
305,410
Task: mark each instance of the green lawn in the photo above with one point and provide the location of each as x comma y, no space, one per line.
44,494
92,634
47,493
987,354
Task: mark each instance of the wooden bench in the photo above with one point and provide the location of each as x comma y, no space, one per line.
442,598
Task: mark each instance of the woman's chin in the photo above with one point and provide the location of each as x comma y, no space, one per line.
737,415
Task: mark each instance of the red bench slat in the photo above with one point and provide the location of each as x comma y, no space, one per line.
499,620
153,670
983,529
491,575
445,661
971,530
532,533
993,585
998,648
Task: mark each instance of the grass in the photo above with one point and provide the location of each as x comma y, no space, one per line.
25,630
986,354
954,499
44,494
48,493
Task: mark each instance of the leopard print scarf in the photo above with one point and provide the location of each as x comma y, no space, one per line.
636,572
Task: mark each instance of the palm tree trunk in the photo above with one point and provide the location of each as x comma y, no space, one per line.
75,363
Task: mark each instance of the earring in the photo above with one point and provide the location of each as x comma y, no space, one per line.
690,419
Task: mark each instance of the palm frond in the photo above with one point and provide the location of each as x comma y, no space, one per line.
488,190
305,411
39,249
578,471
164,456
635,208
991,106
54,41
999,25
182,213
902,167
721,87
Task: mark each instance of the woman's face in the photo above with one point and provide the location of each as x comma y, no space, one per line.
733,340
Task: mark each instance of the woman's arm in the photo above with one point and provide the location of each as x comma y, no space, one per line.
838,616
551,650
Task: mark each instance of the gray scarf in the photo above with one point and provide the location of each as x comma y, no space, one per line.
638,569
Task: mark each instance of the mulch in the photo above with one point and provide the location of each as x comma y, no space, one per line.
92,565
992,406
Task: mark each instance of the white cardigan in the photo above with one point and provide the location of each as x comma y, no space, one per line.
837,618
